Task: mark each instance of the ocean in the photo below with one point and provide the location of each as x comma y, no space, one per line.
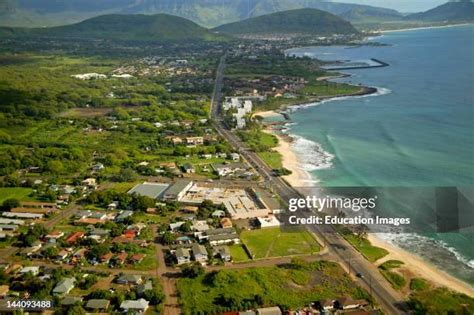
417,131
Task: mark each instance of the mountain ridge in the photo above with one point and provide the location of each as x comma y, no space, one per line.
207,13
299,21
159,27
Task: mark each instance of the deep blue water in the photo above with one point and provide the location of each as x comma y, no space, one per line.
419,133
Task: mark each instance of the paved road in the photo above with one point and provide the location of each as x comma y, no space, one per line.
346,255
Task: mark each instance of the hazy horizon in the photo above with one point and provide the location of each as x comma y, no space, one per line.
399,5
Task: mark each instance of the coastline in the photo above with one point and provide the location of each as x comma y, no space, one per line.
413,263
420,267
422,28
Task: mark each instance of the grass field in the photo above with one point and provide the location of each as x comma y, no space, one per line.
288,286
274,242
18,193
372,253
271,158
238,253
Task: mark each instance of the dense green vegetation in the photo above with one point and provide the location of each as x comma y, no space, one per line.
288,286
363,245
397,280
160,27
62,125
210,13
301,21
440,301
419,284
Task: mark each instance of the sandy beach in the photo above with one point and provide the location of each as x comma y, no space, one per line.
414,264
422,28
298,177
421,268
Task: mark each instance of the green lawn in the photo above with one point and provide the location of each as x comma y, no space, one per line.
272,158
238,253
289,286
370,252
15,193
274,242
149,262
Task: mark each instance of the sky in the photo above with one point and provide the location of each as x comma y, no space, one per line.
400,5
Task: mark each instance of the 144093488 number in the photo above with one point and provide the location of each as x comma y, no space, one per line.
29,304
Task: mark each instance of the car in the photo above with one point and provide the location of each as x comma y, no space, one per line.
359,275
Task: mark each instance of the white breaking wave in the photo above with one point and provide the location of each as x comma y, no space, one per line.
380,91
414,241
311,154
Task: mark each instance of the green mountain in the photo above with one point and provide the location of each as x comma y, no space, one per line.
208,13
160,27
300,21
456,11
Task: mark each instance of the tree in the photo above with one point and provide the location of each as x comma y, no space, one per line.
192,271
168,238
9,204
76,309
55,167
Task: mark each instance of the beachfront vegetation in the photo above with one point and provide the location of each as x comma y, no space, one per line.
233,290
440,301
363,245
419,284
396,279
277,242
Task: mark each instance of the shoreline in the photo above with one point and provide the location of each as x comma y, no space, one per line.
423,28
413,263
420,267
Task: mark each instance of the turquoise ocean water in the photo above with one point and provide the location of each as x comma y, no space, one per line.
417,131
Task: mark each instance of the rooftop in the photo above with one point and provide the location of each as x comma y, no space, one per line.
152,190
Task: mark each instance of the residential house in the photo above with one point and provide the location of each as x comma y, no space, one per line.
141,288
222,252
74,237
121,258
62,255
218,214
130,279
70,300
189,168
34,270
275,310
183,255
53,236
137,258
123,215
4,291
105,259
235,157
326,305
226,223
98,305
135,306
346,303
174,227
200,253
194,140
64,286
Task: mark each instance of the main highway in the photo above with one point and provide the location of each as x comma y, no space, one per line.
368,277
